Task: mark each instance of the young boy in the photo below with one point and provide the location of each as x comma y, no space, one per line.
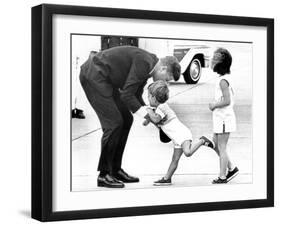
164,117
224,120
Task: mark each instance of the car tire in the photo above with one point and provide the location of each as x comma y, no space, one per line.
193,72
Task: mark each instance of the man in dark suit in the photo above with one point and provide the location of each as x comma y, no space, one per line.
113,81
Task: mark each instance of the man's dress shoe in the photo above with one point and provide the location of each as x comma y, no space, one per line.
124,177
109,182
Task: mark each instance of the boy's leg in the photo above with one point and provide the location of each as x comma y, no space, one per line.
174,163
224,159
189,149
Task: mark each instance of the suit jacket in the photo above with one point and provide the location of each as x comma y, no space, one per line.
125,68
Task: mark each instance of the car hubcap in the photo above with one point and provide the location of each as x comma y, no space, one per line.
195,70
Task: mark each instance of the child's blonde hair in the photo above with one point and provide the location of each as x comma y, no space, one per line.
159,90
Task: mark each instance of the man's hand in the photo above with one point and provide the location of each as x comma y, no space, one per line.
146,122
150,110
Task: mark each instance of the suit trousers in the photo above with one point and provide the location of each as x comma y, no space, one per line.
115,118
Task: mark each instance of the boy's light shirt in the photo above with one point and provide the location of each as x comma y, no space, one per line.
165,112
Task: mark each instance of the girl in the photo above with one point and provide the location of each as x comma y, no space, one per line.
224,120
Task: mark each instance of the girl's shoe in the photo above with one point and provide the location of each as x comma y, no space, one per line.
162,182
231,174
220,181
208,142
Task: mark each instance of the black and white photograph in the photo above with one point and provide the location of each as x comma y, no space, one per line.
150,112
156,112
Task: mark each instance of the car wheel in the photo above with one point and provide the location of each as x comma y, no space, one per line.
193,72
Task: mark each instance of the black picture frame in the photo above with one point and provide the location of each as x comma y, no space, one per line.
42,111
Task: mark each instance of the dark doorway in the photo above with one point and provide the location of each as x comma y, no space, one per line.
112,41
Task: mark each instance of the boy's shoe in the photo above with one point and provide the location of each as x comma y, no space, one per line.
219,181
162,182
208,142
231,174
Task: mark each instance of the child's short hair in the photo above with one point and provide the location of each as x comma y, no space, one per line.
173,66
223,67
159,90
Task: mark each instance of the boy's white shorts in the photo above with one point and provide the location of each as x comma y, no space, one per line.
226,125
177,132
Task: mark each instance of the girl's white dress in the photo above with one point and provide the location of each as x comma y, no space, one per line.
224,119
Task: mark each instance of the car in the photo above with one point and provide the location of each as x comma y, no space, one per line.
192,59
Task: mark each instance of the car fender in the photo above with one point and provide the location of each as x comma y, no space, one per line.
186,60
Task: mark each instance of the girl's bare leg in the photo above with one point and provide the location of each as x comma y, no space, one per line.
230,166
224,159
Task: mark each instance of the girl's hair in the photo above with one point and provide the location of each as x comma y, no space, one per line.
159,90
225,60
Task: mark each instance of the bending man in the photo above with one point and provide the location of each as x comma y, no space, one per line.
113,81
